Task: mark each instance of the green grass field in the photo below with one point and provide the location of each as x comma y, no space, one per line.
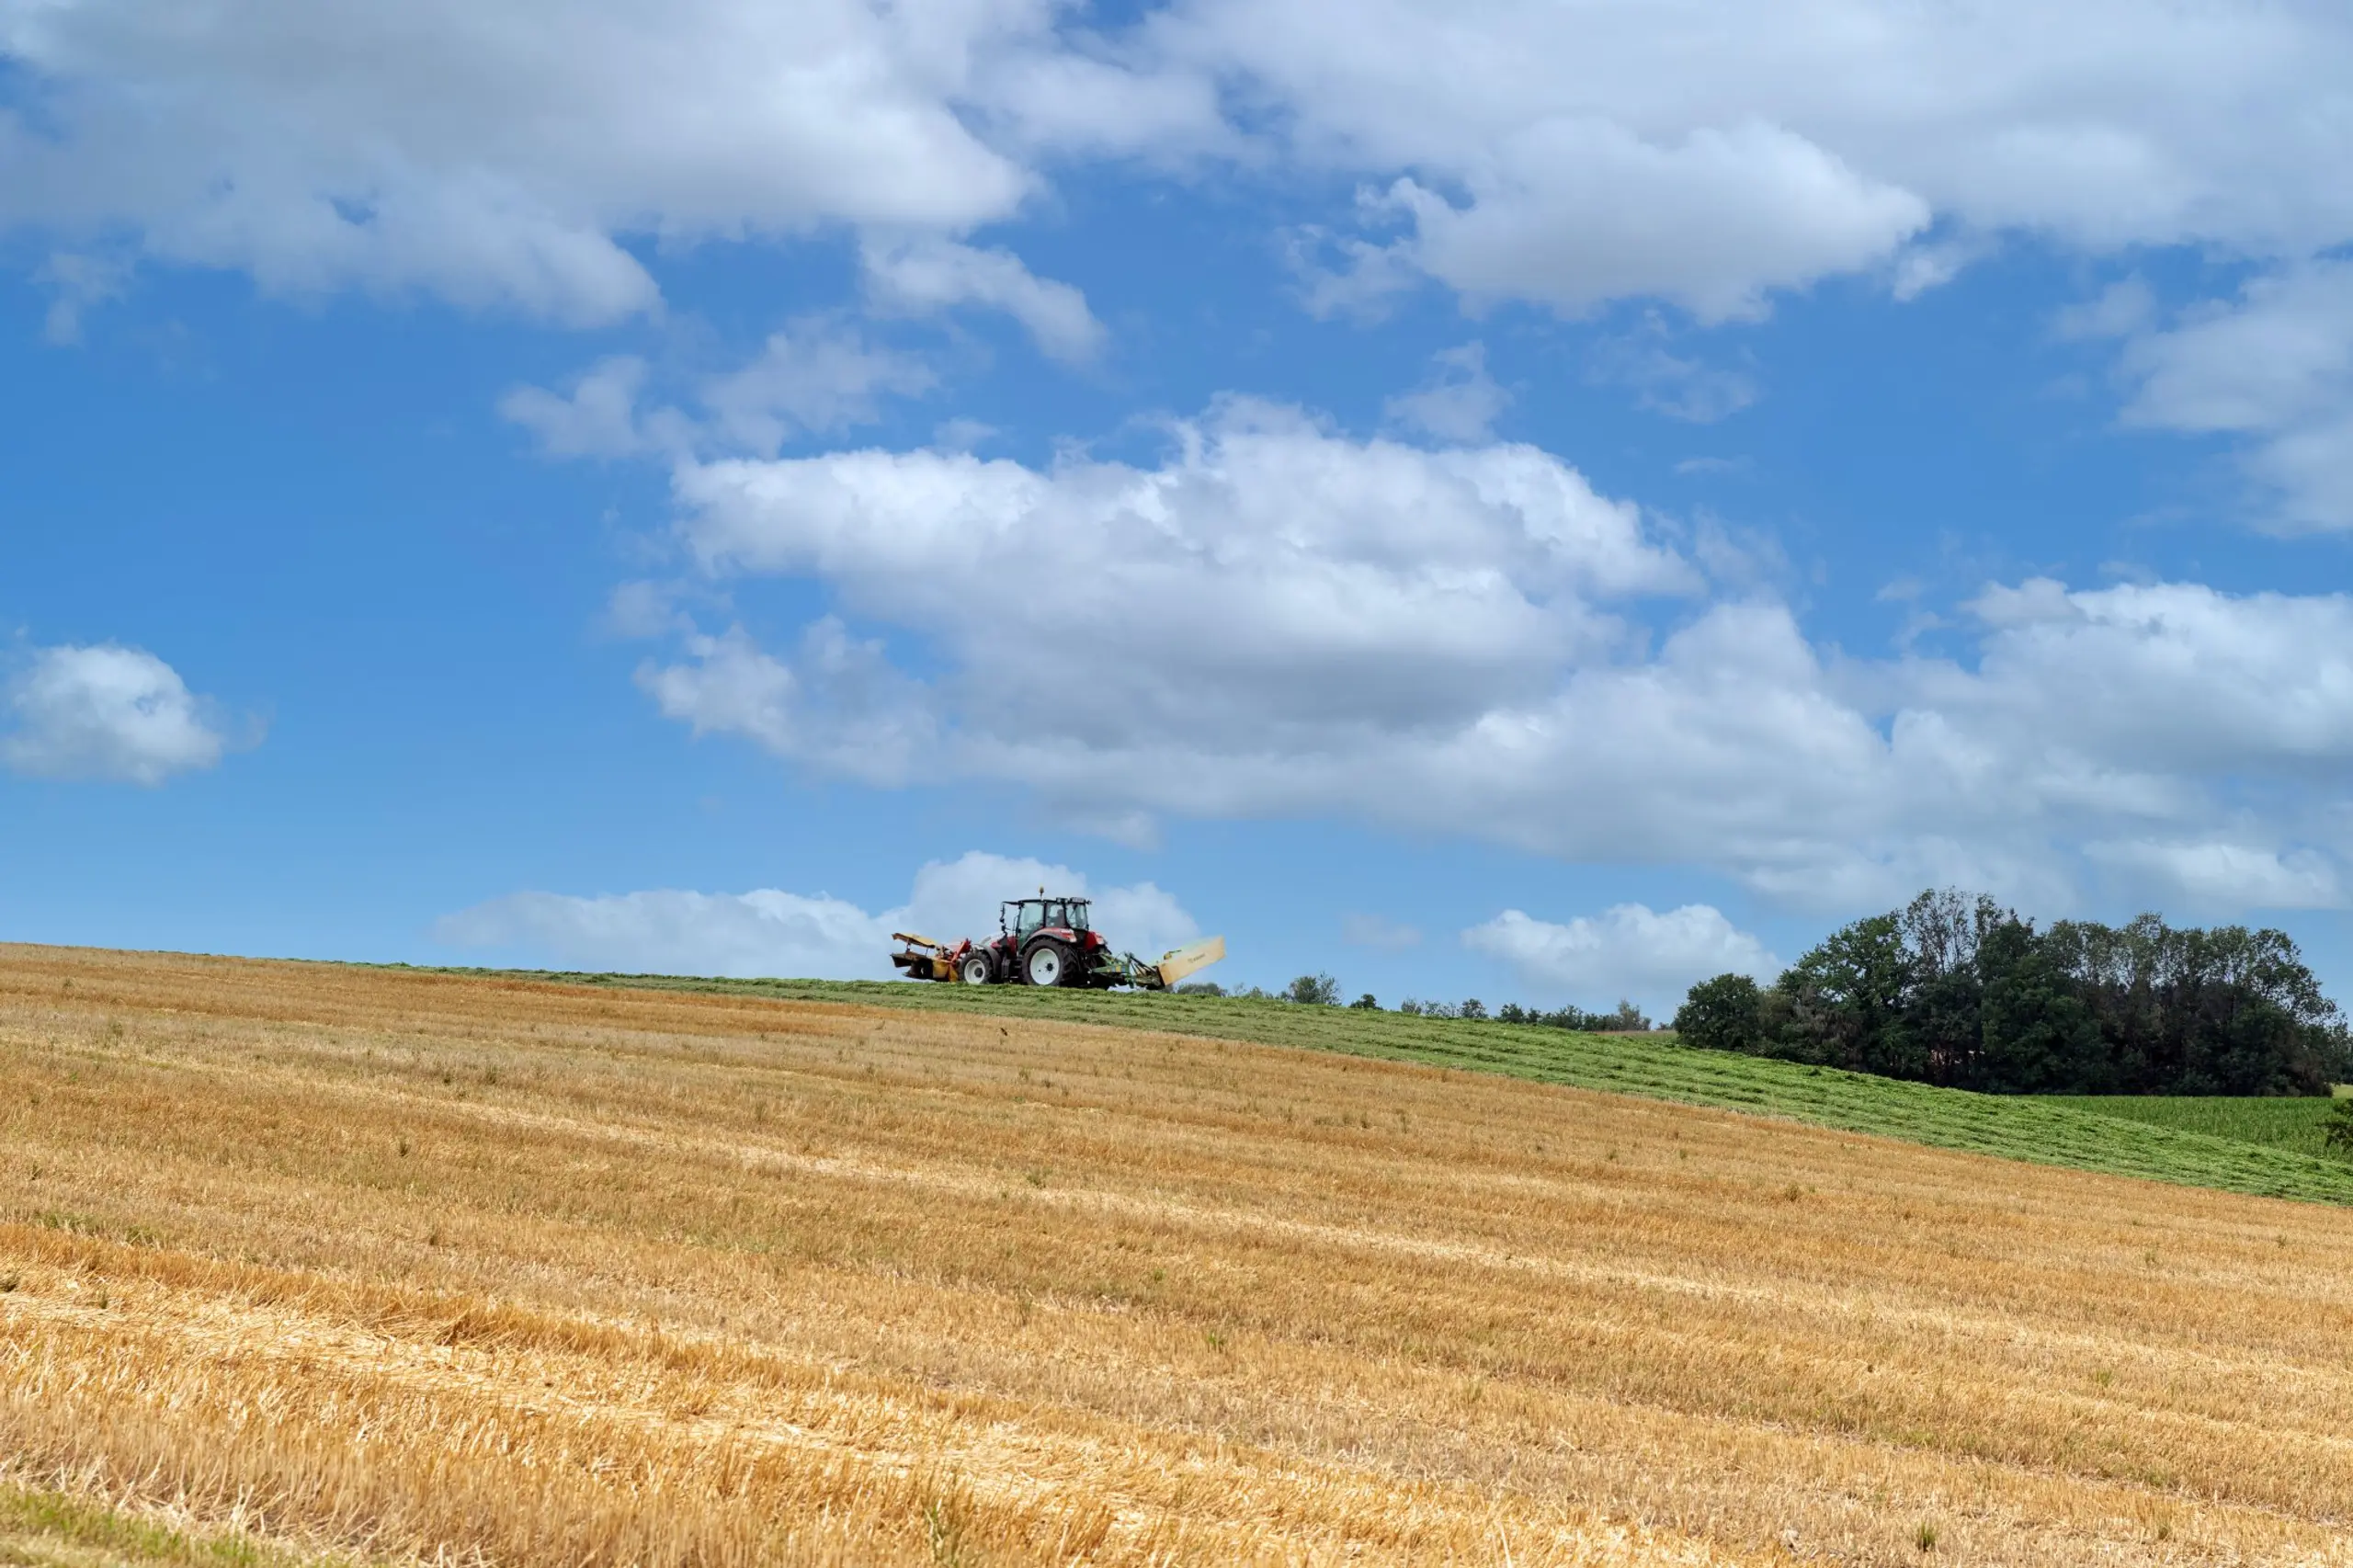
2280,1124
2084,1134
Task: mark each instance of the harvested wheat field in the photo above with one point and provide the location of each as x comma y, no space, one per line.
398,1266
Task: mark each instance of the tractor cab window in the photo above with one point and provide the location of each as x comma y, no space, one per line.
1028,915
1076,918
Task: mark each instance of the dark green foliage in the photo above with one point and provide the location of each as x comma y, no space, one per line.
1314,991
1956,990
1722,1014
1365,1004
2337,1135
1627,1019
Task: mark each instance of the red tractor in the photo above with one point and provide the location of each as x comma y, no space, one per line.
1046,942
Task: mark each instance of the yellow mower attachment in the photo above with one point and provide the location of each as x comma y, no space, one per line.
922,958
1190,959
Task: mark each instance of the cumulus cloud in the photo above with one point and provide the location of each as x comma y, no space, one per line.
1628,950
767,932
1278,619
2221,875
104,712
917,277
2273,368
816,376
839,706
500,152
1354,589
597,417
518,152
1709,156
1718,218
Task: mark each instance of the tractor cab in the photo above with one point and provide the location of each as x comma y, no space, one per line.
1024,918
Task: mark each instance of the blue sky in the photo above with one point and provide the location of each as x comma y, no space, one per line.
1503,499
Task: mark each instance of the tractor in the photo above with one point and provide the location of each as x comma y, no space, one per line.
1046,942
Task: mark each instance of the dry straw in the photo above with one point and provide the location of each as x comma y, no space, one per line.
426,1267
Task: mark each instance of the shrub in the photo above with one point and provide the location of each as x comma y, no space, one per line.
2336,1133
1314,991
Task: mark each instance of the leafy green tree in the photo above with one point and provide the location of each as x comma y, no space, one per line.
2037,1037
1365,1004
1721,1015
1849,997
1314,991
1955,989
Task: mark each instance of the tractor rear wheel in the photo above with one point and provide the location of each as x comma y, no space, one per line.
976,970
1048,964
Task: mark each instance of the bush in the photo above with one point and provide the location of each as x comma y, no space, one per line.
2336,1133
1365,1004
1314,991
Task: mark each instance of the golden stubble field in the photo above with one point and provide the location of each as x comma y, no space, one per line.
421,1267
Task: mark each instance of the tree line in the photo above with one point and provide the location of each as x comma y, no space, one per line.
1322,990
1955,989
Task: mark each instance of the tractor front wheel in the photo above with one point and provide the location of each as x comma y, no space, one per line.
1048,964
976,970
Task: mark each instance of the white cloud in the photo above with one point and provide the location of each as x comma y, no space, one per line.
917,277
530,153
2276,368
519,152
838,707
596,418
1459,404
815,377
104,712
1278,619
1355,588
1627,951
2225,876
767,932
499,151
1713,152
1572,212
